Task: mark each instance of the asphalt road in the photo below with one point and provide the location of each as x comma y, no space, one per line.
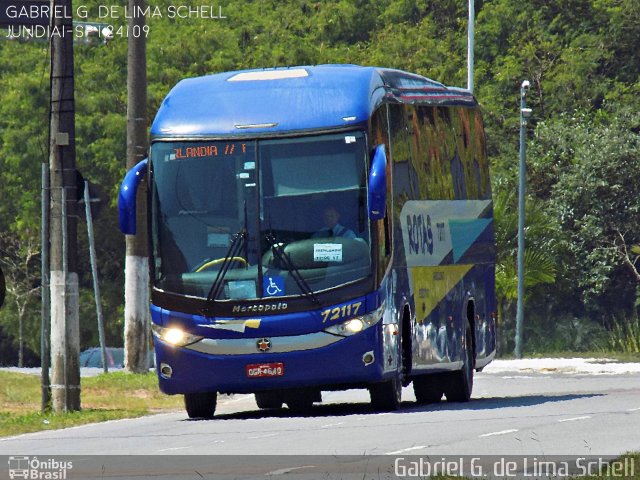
515,410
541,409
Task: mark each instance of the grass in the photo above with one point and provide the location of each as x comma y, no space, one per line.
106,397
629,460
625,336
601,354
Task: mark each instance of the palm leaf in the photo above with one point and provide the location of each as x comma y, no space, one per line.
539,268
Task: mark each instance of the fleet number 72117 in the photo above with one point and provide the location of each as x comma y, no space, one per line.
337,313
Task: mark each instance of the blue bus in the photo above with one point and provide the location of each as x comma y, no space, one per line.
318,228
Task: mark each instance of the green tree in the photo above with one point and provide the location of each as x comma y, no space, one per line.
539,257
580,55
20,257
587,166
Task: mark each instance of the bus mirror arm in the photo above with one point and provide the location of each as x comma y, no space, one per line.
127,197
378,184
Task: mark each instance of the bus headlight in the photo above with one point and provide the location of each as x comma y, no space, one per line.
175,336
357,324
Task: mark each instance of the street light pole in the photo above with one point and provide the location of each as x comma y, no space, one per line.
470,44
525,113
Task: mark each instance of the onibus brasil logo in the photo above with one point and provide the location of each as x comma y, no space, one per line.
33,468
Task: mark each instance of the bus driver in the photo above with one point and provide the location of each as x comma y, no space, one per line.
332,227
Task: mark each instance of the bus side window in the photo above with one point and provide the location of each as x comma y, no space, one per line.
383,228
380,135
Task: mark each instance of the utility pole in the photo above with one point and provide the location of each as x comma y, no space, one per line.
525,113
65,327
136,297
3,287
45,323
94,272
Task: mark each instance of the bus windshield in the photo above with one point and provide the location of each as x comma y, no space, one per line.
260,218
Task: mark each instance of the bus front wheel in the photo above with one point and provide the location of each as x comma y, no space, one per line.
268,400
386,396
302,400
200,405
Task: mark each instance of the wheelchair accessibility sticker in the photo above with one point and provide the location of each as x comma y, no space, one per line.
273,286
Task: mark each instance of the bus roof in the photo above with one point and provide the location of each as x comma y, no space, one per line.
291,99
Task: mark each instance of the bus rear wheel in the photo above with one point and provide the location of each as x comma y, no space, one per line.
460,383
200,405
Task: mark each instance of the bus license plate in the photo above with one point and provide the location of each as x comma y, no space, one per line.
259,370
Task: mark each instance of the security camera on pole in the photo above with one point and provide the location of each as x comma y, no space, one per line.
525,114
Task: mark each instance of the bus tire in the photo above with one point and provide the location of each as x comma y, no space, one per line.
200,405
429,388
460,383
299,404
268,400
302,400
386,396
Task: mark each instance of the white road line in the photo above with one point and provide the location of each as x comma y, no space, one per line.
266,435
172,449
574,419
634,410
501,432
284,471
329,425
405,450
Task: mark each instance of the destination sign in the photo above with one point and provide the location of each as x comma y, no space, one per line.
218,150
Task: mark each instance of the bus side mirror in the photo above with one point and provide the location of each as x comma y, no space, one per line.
127,197
378,184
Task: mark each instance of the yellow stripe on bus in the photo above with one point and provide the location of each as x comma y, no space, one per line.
432,284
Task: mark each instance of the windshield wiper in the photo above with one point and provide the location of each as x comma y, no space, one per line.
284,258
234,249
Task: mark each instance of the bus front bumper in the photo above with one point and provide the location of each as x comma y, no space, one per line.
238,366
